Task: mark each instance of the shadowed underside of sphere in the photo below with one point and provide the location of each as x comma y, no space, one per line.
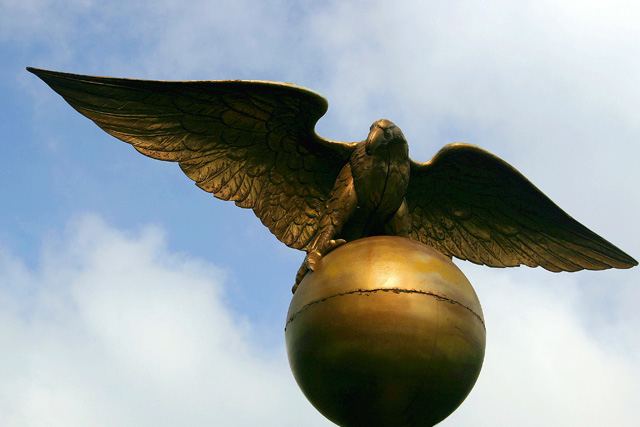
386,332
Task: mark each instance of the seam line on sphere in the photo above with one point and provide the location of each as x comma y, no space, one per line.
394,290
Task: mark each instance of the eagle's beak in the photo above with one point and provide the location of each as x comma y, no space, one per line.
375,138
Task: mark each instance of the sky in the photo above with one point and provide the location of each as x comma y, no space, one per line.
128,296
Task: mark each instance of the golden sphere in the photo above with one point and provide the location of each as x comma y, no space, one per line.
386,332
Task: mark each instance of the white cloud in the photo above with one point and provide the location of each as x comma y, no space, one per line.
488,64
545,364
111,329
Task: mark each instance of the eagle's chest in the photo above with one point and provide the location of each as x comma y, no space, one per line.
381,180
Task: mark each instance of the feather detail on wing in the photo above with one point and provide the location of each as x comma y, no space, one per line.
250,142
468,203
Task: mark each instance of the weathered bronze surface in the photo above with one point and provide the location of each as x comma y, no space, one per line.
254,143
386,332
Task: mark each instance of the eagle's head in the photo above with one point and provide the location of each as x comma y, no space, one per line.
382,132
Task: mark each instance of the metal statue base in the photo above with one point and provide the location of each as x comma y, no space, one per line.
386,332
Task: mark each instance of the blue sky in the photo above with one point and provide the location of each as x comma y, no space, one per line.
130,297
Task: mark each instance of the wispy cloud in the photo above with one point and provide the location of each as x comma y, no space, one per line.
112,329
545,362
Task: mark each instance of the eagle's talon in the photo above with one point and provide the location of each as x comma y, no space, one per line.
312,258
333,244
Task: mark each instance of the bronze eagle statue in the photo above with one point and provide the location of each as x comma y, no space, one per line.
253,142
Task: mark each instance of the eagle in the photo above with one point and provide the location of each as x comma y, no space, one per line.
254,143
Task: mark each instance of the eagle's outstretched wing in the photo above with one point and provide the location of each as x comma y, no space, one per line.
250,142
470,204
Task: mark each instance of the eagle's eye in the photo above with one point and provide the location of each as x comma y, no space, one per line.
387,133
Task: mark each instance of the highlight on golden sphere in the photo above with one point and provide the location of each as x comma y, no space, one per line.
386,332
